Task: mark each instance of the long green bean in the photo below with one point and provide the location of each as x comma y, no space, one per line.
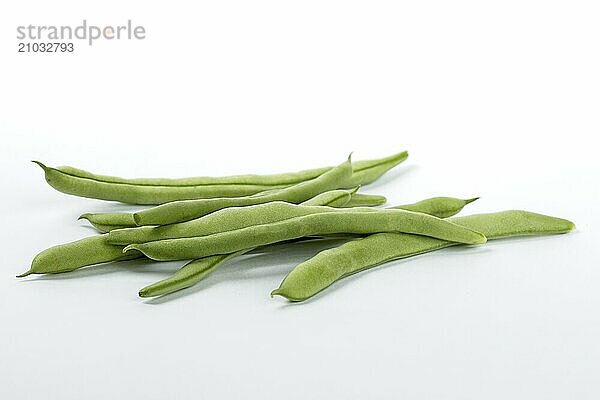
329,266
81,183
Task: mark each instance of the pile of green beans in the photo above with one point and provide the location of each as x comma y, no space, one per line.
209,221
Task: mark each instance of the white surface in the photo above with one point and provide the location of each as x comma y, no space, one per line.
499,101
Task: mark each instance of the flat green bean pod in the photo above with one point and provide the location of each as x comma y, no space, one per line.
158,191
71,256
196,270
350,222
185,210
329,266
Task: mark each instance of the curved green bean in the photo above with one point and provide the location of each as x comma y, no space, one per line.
81,183
188,275
81,253
185,210
350,222
329,266
232,218
196,270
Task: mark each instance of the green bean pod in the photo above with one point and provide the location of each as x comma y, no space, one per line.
185,210
71,256
227,219
81,183
350,222
329,266
106,222
196,270
332,198
188,275
365,200
232,218
442,207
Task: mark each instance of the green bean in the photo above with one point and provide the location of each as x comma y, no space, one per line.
365,200
365,172
106,222
185,210
441,207
352,222
71,256
227,219
233,218
329,266
196,270
158,191
332,198
188,275
354,199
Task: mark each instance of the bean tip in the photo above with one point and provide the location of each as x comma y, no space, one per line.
467,201
41,164
24,274
276,292
131,247
481,239
145,292
84,216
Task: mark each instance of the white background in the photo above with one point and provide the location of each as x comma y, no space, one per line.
496,99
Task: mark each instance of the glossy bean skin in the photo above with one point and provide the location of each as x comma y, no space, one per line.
74,255
181,211
442,207
347,222
81,183
329,266
196,270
